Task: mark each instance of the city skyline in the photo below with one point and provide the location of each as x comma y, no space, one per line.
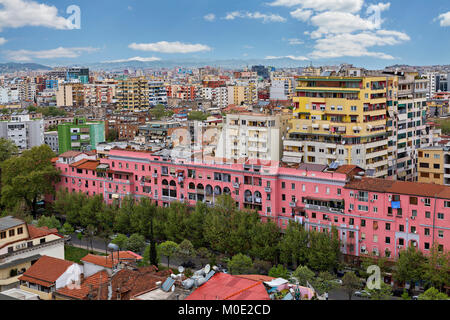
302,31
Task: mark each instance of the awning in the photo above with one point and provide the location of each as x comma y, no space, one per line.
369,127
315,126
342,129
357,128
276,283
326,126
305,127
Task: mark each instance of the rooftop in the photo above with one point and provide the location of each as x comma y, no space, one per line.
10,222
46,271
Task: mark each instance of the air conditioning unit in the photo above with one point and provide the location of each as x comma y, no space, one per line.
423,200
413,218
372,201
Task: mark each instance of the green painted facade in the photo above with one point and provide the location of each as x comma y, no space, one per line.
81,135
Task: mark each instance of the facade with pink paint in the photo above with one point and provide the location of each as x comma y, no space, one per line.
373,216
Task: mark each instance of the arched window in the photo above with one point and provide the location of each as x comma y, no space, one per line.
173,183
209,190
226,190
248,196
191,186
165,182
217,191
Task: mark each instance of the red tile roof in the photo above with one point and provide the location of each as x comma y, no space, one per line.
86,164
46,271
35,232
256,277
103,261
91,285
126,255
223,286
70,154
400,187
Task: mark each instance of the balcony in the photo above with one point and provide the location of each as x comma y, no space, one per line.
268,189
293,204
236,185
155,175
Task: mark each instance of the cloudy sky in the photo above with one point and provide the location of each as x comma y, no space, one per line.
363,32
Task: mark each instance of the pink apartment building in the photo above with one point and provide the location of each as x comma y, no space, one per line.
373,216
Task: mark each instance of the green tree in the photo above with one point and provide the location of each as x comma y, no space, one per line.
294,245
433,294
112,136
67,229
147,260
176,226
279,272
304,276
265,241
7,149
198,115
351,283
91,232
122,221
90,210
168,249
159,112
437,268
261,266
325,282
410,266
240,264
70,205
121,241
384,293
203,254
195,225
185,250
49,222
135,243
28,177
323,251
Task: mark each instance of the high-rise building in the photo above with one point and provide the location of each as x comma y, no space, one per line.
24,132
70,95
157,93
78,74
340,119
80,135
252,136
133,93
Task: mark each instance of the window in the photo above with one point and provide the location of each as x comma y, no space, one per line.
351,207
363,223
375,238
313,215
293,186
283,197
317,189
363,196
283,185
441,234
3,235
413,200
440,216
375,209
427,202
427,246
447,204
414,213
428,214
375,197
12,233
402,228
388,226
351,221
338,192
427,231
388,240
20,230
363,208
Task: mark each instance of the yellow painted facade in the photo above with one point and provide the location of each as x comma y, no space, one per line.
431,165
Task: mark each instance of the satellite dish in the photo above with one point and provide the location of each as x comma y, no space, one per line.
180,269
207,268
173,288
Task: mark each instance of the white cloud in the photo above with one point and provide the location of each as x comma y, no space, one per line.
356,45
28,55
444,19
210,17
255,15
322,5
293,41
21,13
302,15
169,47
140,59
339,22
2,41
297,58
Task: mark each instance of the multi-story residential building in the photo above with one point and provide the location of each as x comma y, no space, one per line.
372,216
80,135
158,131
24,132
9,95
133,93
243,92
340,119
282,88
252,136
70,95
157,93
434,165
21,245
100,94
407,124
188,93
80,75
218,96
51,139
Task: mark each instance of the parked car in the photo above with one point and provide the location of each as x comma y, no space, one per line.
339,281
415,297
362,293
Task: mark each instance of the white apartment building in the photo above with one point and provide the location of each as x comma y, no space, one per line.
157,93
282,88
25,133
252,136
51,139
218,96
9,95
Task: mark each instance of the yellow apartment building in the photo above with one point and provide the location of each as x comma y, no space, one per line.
340,119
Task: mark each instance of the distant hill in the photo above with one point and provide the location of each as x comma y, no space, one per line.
15,67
